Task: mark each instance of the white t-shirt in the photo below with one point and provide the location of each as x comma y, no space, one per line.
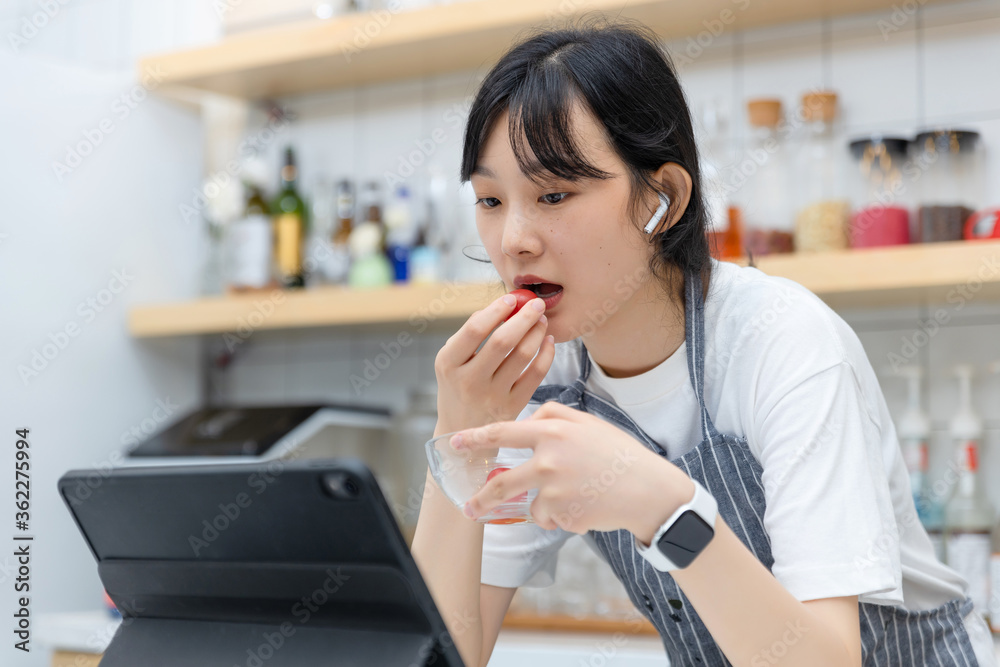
785,371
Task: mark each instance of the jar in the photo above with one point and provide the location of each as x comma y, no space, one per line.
950,166
879,196
767,214
822,212
724,224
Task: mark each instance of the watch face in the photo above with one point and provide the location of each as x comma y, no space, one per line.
685,539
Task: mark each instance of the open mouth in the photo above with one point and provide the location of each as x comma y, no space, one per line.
543,290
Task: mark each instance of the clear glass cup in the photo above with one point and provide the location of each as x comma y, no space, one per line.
461,474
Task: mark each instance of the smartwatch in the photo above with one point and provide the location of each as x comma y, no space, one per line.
684,535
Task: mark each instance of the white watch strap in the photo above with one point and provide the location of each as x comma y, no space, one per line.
703,504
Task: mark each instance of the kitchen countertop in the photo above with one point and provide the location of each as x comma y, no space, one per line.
91,631
527,648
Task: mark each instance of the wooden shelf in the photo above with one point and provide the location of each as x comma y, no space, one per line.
321,307
563,623
368,47
901,275
896,275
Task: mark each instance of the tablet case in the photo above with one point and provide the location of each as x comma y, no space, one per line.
266,564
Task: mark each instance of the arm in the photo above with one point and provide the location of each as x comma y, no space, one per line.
476,386
448,550
754,619
494,602
751,614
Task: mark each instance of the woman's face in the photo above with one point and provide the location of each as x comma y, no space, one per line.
574,235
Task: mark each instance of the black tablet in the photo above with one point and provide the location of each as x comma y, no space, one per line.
265,564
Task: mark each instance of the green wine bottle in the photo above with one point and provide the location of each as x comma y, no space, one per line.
290,226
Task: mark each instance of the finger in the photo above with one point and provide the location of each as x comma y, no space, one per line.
508,486
464,343
536,371
522,354
515,434
508,335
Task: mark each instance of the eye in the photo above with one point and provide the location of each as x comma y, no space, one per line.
561,196
484,200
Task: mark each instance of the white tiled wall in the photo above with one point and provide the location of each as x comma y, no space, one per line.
892,75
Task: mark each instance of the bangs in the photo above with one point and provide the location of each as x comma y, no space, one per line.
617,71
540,128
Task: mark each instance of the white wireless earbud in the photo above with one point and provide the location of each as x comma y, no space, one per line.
658,214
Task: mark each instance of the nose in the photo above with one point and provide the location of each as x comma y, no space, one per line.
520,236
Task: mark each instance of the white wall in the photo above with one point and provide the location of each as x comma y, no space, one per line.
61,240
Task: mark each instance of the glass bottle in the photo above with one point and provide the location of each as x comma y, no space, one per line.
340,260
994,605
371,209
318,248
213,266
425,259
822,213
369,264
250,242
725,226
289,214
767,214
914,430
969,515
401,232
994,608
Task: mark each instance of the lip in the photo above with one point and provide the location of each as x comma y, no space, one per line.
551,301
529,279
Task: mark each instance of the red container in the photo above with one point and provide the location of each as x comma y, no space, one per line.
880,226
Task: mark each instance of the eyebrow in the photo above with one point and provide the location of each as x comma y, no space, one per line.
483,171
544,178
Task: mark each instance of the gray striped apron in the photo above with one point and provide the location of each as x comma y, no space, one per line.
726,467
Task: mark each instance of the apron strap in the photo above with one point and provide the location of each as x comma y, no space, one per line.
694,333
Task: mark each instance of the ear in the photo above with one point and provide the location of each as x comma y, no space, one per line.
676,182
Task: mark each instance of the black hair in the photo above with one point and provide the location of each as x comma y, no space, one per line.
622,75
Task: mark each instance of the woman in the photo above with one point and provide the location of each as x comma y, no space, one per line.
718,435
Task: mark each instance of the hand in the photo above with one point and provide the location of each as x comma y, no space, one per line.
495,383
590,474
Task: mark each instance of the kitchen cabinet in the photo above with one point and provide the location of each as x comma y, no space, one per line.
370,47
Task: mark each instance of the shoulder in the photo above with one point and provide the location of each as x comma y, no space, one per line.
767,336
751,317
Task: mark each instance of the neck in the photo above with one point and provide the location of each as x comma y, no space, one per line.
645,331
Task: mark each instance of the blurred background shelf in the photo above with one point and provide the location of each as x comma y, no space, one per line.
372,47
894,275
899,275
327,306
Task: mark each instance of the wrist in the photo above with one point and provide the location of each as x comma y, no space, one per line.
451,427
659,506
